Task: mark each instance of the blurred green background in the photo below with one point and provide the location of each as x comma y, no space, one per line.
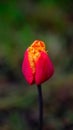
22,22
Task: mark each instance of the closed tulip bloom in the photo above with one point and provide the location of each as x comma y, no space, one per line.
37,66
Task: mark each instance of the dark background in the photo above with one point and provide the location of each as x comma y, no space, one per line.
22,22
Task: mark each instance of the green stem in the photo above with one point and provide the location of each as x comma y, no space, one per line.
40,98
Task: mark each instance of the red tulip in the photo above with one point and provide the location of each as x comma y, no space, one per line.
37,66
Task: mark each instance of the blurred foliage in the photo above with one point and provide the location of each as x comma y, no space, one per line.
24,21
21,22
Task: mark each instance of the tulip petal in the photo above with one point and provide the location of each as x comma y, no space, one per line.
26,69
44,68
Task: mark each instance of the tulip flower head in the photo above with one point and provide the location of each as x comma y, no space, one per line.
37,66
